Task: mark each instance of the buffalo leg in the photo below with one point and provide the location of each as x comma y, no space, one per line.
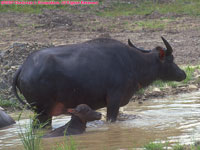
113,103
42,120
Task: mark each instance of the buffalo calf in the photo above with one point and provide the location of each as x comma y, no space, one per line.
77,125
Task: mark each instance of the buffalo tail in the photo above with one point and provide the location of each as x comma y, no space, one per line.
14,87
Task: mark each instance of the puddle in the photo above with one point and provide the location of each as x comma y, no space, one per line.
173,119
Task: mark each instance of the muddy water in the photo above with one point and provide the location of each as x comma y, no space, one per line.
173,119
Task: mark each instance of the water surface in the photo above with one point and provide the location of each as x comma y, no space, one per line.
173,119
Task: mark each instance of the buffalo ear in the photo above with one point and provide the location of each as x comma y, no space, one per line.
130,43
162,52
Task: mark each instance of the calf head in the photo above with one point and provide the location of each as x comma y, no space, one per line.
85,113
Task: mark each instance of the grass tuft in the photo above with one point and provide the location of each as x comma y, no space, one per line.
117,8
165,146
190,73
179,147
30,137
9,104
162,85
151,24
68,144
156,146
186,7
37,8
189,70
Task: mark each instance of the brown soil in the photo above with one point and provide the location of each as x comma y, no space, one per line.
20,34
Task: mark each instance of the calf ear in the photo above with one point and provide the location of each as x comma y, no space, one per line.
71,111
162,52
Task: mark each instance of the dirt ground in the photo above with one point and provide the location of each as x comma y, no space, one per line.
20,34
59,27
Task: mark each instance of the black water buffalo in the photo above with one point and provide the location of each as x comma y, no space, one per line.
77,125
5,119
100,73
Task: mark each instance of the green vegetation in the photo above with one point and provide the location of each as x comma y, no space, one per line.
141,91
189,70
178,147
188,7
165,146
31,138
161,84
115,9
12,103
163,19
156,146
190,73
151,24
37,8
69,144
8,103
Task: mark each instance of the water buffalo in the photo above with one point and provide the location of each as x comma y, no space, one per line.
77,125
100,73
5,119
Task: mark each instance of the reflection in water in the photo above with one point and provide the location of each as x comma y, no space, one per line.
173,119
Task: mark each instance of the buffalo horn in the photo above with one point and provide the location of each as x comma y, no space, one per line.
142,50
168,46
